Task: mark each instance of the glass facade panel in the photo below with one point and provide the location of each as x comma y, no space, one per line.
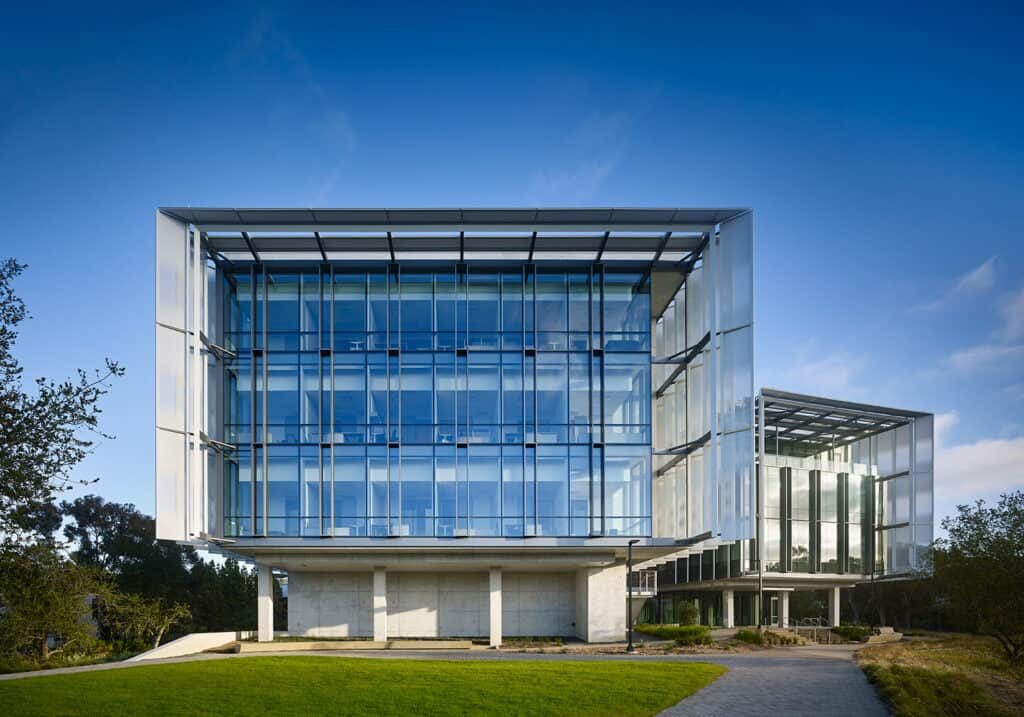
407,402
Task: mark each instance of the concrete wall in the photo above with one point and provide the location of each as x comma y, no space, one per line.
330,604
538,604
588,603
438,604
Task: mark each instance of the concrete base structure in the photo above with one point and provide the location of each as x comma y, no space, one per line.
492,604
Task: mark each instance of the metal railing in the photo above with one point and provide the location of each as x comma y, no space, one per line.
645,583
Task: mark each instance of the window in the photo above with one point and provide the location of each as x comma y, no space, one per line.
398,400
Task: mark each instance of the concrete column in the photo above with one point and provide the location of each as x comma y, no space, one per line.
601,603
783,609
380,605
495,585
833,607
728,619
264,603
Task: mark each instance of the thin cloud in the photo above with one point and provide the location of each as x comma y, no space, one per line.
987,357
595,149
833,374
1012,310
267,43
978,280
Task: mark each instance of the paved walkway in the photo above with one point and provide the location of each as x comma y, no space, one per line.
780,682
785,682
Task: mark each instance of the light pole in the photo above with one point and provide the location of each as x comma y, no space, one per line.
629,600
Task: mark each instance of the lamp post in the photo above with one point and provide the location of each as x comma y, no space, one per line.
629,600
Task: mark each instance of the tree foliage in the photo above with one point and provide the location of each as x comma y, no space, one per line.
981,568
44,433
137,623
47,600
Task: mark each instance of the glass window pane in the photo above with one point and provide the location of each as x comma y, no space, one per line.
552,395
484,490
416,311
800,552
417,491
800,494
552,312
349,491
627,475
282,302
627,311
283,490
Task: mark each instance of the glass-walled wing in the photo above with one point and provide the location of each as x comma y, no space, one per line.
703,392
445,401
847,488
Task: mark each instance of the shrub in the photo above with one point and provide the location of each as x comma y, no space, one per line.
853,633
684,635
751,637
687,613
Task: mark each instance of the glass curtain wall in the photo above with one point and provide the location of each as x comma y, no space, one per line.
855,509
403,401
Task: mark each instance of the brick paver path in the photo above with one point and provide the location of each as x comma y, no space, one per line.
781,683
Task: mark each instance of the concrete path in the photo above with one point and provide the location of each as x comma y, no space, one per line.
822,680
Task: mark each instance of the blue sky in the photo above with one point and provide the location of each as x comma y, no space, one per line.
880,148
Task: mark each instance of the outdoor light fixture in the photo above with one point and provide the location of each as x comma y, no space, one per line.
629,600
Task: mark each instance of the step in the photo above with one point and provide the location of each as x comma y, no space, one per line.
303,646
883,638
314,645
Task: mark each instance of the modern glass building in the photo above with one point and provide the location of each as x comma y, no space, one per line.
453,422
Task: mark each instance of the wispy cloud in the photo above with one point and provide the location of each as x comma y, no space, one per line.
594,149
832,374
978,280
1012,311
985,357
268,44
1004,350
1015,391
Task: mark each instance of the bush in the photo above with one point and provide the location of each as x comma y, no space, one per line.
751,637
687,613
853,633
684,635
919,692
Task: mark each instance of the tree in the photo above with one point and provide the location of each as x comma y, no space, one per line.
981,566
138,623
45,433
118,538
44,596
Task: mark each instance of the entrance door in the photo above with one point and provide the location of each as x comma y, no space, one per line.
773,610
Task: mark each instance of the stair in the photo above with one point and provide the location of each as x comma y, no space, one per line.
784,636
884,635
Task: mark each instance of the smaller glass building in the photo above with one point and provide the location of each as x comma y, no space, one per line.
844,495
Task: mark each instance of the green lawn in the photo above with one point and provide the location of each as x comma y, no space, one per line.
334,685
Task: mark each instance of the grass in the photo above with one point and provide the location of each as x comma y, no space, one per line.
332,685
684,635
945,674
